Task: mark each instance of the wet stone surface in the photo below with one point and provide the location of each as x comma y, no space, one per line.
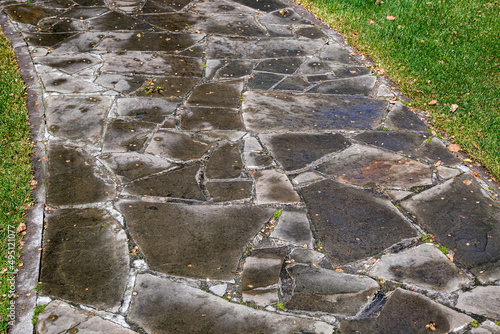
86,258
182,134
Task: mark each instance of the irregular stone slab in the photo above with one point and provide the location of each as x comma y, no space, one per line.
274,187
163,5
120,82
73,178
77,118
405,142
351,223
83,13
350,71
148,41
177,146
218,94
487,327
461,217
483,300
371,167
318,289
28,13
66,84
202,118
285,17
310,32
59,317
162,306
45,40
402,118
338,54
225,163
148,110
293,83
85,258
280,65
223,135
117,21
261,275
229,191
398,195
218,290
123,136
132,165
172,87
408,312
447,173
254,155
266,111
180,183
435,151
236,69
424,266
160,63
255,48
315,65
209,7
262,5
350,86
204,241
298,150
293,227
307,256
68,64
81,42
173,21
232,25
276,30
263,81
307,177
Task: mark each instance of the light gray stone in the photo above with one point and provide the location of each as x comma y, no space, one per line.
177,146
483,300
62,83
218,290
254,156
424,266
293,227
274,187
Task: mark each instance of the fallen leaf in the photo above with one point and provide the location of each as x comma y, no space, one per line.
390,18
454,107
372,21
419,91
431,325
454,148
467,160
467,182
339,270
432,103
437,164
21,227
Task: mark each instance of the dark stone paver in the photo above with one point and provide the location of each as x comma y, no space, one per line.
202,118
124,136
293,227
86,258
408,312
177,146
163,306
225,163
203,241
351,223
230,190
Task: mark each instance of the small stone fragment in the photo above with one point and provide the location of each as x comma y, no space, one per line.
274,187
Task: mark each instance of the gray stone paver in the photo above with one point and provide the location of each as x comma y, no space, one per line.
177,130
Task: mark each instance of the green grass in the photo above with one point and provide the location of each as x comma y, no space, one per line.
15,171
445,50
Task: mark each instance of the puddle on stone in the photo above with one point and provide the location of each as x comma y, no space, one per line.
350,86
177,146
68,64
201,118
146,109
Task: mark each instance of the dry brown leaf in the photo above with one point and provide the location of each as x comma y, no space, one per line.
437,164
372,21
339,270
454,148
450,257
431,325
467,182
432,103
390,18
21,227
454,107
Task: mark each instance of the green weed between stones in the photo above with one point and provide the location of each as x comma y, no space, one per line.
444,50
15,172
474,323
277,214
38,310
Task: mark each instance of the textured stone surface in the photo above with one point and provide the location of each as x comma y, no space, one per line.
462,218
177,146
264,111
203,241
229,191
261,273
401,118
483,300
424,266
217,94
274,187
318,289
194,118
254,155
162,306
353,224
73,178
293,227
85,258
371,167
60,317
408,312
225,163
147,109
298,150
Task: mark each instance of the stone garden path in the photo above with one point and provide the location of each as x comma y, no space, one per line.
228,166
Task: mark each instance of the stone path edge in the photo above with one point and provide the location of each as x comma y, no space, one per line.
28,275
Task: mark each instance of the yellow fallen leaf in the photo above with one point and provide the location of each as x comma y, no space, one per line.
432,103
21,227
390,18
467,160
454,107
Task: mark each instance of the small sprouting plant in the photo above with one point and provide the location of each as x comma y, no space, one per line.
38,309
151,89
279,306
427,239
277,214
474,323
443,249
248,250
